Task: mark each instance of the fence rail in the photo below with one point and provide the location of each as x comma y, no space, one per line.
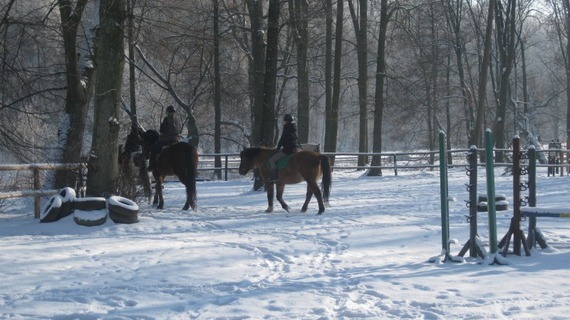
394,161
37,192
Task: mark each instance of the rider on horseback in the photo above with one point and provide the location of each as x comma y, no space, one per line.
287,145
169,134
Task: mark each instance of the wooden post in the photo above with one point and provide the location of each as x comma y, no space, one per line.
37,186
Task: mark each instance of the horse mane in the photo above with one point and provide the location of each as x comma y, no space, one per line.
150,136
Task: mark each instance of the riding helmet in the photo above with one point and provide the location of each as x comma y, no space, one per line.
170,109
288,118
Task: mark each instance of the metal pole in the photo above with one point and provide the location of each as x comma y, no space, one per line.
490,167
444,195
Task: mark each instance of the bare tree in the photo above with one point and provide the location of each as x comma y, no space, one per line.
360,23
506,39
103,165
298,12
379,103
79,85
331,129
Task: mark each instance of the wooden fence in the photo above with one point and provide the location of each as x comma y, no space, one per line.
390,161
36,190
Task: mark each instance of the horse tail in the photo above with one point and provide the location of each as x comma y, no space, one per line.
327,177
192,169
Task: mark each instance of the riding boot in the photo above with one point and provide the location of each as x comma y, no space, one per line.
274,175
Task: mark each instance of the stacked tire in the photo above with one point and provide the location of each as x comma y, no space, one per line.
122,210
89,211
501,203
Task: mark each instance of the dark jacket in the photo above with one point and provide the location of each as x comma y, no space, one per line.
169,129
288,140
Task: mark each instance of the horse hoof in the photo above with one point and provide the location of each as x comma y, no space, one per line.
269,210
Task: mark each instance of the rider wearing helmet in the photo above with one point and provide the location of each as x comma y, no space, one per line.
169,134
287,145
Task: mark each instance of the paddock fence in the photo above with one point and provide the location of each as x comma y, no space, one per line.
32,182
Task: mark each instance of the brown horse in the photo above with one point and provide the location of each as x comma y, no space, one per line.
306,166
180,159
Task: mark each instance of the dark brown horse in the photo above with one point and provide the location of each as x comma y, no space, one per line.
302,166
180,159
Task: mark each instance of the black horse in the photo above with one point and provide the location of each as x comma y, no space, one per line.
180,159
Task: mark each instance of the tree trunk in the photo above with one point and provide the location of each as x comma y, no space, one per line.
360,23
257,67
505,26
379,93
103,159
270,79
481,101
72,127
331,129
217,92
328,60
298,10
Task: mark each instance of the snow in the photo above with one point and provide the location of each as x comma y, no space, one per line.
366,257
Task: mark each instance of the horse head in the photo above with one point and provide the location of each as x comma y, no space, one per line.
149,138
247,160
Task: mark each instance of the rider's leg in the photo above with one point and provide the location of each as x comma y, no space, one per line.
154,155
273,165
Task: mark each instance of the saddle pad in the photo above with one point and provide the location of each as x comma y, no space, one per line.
281,163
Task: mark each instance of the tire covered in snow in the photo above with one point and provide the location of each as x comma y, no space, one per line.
89,203
501,203
122,210
52,209
90,218
67,197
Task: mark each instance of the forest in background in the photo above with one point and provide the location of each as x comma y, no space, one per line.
358,75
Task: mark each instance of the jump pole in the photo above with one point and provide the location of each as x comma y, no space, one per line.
444,193
473,245
515,230
494,256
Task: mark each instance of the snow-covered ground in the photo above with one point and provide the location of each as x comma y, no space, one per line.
366,257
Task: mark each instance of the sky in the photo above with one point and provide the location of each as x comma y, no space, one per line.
366,257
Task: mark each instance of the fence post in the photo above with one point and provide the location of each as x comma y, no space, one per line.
395,164
37,186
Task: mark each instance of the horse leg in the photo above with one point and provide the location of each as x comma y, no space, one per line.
308,197
145,179
280,190
270,191
159,193
315,188
189,195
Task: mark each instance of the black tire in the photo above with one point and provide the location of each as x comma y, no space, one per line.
502,205
123,206
498,197
89,203
482,206
118,218
67,194
122,210
90,218
51,210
